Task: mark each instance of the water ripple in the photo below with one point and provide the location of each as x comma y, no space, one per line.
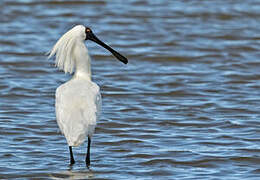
188,99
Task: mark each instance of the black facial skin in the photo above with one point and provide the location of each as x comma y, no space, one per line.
91,36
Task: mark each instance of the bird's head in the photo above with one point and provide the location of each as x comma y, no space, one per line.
85,33
63,49
78,32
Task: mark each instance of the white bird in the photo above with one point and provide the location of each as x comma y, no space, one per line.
78,101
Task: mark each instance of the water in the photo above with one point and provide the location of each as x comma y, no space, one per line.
185,107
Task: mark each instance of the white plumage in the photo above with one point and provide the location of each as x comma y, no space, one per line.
78,101
77,111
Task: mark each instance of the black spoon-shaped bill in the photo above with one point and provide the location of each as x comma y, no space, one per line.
91,36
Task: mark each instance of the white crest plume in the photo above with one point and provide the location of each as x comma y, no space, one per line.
64,49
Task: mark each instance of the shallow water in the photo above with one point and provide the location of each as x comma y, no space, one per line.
185,107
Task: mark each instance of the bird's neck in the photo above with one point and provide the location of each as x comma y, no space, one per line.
82,62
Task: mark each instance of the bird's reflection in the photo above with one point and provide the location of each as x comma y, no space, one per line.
85,173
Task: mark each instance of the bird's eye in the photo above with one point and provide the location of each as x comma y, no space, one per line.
88,30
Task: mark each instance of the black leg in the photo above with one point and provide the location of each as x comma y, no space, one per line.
72,161
88,153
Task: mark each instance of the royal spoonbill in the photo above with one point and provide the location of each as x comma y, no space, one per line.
78,101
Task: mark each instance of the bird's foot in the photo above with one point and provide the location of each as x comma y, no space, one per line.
88,163
72,161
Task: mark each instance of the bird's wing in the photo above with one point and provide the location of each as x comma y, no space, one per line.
98,104
77,112
61,109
